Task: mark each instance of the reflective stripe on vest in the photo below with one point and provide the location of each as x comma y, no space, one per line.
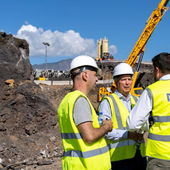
165,138
88,154
71,136
117,112
120,144
135,99
161,118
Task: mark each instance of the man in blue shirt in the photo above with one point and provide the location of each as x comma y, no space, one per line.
125,155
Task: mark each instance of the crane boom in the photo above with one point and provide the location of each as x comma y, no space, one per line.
139,47
165,2
151,23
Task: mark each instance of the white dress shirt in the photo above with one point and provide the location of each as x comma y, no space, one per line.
139,115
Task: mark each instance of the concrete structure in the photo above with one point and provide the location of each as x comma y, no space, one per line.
99,49
102,47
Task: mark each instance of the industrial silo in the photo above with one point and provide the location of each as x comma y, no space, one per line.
105,45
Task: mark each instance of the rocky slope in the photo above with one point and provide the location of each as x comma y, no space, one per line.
28,119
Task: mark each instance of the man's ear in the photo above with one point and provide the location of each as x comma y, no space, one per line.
158,73
157,69
85,75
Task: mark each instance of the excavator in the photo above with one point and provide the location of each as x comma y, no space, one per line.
138,50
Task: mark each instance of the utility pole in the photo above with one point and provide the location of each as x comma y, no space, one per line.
46,44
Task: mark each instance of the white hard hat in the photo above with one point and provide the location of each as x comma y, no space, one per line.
121,69
84,60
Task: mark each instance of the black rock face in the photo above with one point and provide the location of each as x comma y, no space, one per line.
25,112
14,59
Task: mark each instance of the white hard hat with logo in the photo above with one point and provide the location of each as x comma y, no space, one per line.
84,60
121,69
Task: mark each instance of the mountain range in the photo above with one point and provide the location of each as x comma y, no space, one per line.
60,65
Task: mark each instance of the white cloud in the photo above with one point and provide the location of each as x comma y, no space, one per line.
113,49
68,43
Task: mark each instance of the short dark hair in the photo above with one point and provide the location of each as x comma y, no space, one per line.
162,61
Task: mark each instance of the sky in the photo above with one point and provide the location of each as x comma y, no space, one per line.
73,27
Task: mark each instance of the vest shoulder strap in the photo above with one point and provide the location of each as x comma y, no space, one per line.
117,113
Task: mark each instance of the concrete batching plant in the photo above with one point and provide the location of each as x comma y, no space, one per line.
102,50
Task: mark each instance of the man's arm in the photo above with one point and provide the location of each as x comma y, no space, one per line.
139,115
83,119
91,134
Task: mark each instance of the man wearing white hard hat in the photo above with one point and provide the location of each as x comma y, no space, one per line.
83,139
125,150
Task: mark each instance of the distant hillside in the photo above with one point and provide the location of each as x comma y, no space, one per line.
60,65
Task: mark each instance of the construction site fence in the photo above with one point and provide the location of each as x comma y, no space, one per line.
68,82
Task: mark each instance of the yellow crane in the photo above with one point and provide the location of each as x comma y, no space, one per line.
139,48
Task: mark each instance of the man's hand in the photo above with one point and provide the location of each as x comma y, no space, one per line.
108,124
135,136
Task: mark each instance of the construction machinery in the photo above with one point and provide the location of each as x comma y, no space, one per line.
106,56
139,48
102,50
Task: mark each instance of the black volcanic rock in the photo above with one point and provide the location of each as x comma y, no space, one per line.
26,114
14,59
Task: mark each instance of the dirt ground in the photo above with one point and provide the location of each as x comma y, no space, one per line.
46,144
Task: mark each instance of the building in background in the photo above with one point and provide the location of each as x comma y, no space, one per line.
102,50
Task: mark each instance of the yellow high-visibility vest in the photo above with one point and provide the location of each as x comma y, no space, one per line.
122,149
158,142
78,154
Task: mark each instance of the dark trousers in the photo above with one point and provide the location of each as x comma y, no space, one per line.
136,163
